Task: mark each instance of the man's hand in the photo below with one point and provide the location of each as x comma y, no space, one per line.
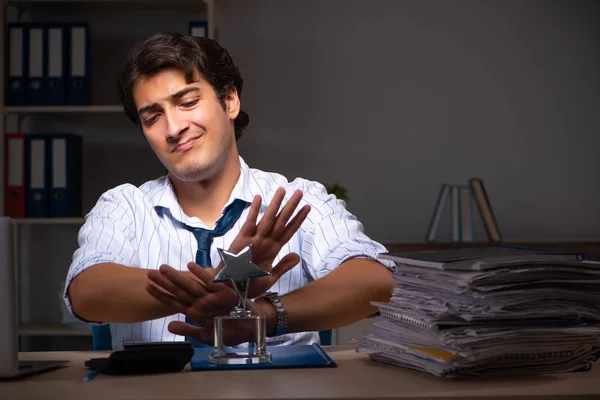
200,299
189,295
193,294
269,236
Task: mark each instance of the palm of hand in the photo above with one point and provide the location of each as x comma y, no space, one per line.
268,237
264,251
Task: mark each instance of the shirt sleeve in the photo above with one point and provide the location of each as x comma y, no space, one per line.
332,235
107,236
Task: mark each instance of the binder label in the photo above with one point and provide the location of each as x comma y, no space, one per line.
78,52
35,53
16,48
199,31
37,164
15,162
59,163
55,52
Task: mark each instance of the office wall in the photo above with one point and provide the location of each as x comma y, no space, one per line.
392,98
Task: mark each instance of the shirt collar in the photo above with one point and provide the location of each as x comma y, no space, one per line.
166,200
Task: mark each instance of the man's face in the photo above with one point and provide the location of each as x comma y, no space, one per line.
185,123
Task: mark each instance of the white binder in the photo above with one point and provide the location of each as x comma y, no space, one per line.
55,90
15,78
35,69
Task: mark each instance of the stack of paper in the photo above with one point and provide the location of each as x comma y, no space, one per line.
489,312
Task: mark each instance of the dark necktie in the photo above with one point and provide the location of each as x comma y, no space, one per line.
204,237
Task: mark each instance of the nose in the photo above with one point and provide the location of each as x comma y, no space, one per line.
176,124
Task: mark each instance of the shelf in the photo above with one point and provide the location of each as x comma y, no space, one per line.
53,330
191,5
63,109
38,221
103,1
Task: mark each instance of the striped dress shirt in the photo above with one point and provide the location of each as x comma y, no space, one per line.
140,227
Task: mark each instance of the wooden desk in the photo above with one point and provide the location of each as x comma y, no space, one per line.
356,377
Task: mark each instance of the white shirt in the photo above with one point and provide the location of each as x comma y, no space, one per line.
134,226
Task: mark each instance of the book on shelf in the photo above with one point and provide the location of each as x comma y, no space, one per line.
457,203
485,209
43,175
48,64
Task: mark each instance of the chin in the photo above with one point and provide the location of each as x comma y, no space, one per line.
192,173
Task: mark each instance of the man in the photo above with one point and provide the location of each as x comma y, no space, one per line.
136,265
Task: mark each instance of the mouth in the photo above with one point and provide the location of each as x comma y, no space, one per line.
188,144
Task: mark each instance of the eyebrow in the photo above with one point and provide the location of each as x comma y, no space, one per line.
174,98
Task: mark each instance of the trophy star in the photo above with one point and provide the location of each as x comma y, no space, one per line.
238,267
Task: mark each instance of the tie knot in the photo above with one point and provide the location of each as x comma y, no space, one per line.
204,238
225,223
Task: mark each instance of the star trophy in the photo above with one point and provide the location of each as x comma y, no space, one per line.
240,323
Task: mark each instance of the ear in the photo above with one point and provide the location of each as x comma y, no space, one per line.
232,103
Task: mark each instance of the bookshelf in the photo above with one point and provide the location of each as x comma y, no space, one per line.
55,221
154,15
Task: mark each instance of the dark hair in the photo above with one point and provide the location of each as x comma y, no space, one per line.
190,54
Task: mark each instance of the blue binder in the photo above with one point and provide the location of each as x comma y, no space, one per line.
38,170
35,61
14,64
65,178
198,28
55,85
293,356
78,92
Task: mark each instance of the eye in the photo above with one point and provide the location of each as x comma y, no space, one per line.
190,103
151,120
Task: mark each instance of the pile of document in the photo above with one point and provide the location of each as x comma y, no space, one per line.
493,311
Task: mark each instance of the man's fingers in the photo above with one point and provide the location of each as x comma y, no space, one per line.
221,290
194,276
293,226
219,268
169,286
268,220
167,299
184,329
286,212
207,277
284,265
184,283
249,226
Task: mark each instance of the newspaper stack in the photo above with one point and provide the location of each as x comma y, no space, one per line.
489,312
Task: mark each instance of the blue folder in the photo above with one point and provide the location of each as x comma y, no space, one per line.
293,356
35,64
198,28
64,161
56,45
38,176
79,64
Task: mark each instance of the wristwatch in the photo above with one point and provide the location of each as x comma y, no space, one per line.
282,315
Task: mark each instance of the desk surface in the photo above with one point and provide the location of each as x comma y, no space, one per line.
356,377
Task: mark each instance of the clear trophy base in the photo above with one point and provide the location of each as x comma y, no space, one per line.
249,330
